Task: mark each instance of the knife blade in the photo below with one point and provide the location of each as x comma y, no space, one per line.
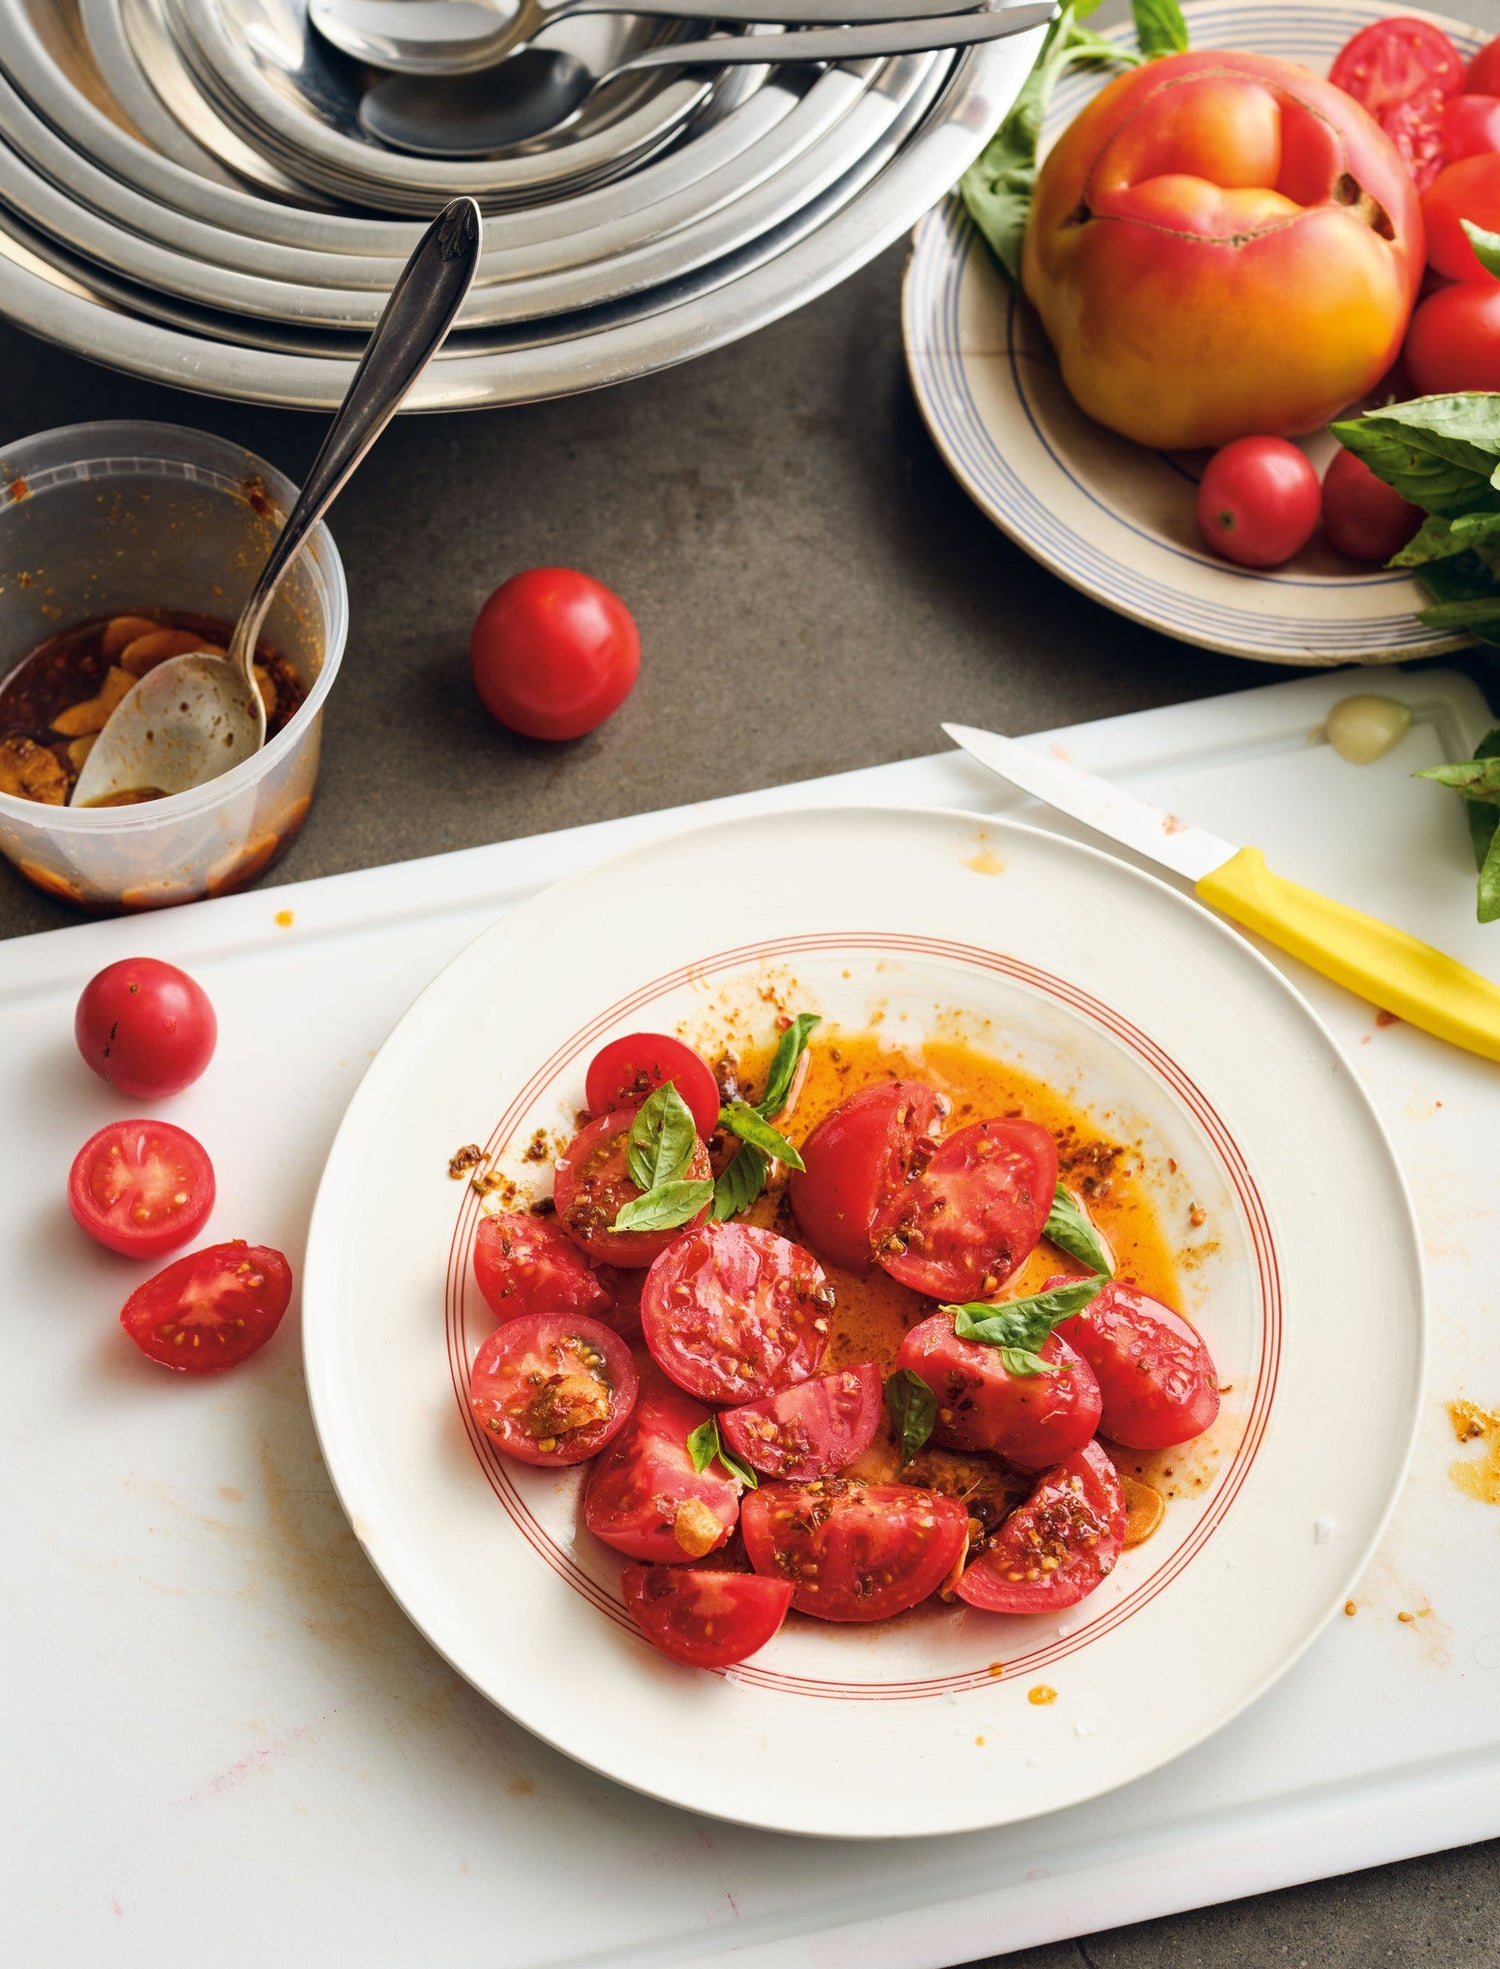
1385,965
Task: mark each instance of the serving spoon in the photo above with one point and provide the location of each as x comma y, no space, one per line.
540,88
197,716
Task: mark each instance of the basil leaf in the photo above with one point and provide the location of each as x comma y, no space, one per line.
704,1444
1439,452
1476,779
1483,818
912,1407
737,1468
1489,881
1486,246
1159,27
743,1179
739,1118
1019,1326
664,1207
1018,1361
662,1138
1070,1230
783,1068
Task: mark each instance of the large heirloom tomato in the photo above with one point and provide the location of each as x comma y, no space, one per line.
1221,244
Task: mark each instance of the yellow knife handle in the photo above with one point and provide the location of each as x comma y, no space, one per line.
1385,965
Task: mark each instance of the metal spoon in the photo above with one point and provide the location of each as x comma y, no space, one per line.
456,37
535,91
194,717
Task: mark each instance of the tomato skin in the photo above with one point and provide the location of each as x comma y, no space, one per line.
705,1619
1454,340
539,1379
1471,126
1258,502
126,1181
1033,1421
145,1027
592,1184
1075,1518
1157,1379
1404,71
813,1430
975,1212
525,1265
852,1551
211,1310
1482,77
643,1495
1364,517
625,1071
1469,189
858,1153
554,653
732,1312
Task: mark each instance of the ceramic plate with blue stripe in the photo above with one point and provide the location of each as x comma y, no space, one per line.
1114,518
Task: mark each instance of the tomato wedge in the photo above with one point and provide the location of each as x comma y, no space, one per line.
813,1430
141,1187
1404,70
1053,1550
625,1071
861,1152
212,1309
731,1311
643,1495
552,1389
525,1265
1032,1420
854,1551
974,1214
705,1619
1157,1379
593,1185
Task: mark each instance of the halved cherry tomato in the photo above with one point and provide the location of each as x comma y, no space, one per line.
643,1495
593,1185
1157,1379
1469,189
625,1071
552,1388
854,1551
524,1264
1403,70
974,1214
1032,1420
705,1619
1053,1550
212,1309
141,1187
861,1152
731,1312
1471,126
813,1430
145,1027
1363,516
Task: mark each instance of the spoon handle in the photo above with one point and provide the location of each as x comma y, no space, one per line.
411,329
844,44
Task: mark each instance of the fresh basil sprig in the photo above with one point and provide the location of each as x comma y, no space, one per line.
783,1068
912,1407
1017,1327
1070,1230
704,1444
665,1207
661,1140
1478,780
751,1126
744,1176
1159,27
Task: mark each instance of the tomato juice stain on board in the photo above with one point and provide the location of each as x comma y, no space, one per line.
1477,1476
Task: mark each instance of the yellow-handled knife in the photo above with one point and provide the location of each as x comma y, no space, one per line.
1384,965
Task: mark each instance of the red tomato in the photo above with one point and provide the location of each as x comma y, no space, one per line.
625,1071
1053,1550
145,1027
1471,126
1032,1420
1158,1382
622,1312
960,1229
525,1264
593,1185
1403,70
643,1495
1258,502
854,1551
552,1388
212,1309
857,1154
730,1311
812,1430
553,653
1483,76
1469,189
705,1619
141,1187
1363,516
1454,339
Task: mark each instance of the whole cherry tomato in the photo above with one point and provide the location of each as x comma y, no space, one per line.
1258,502
1454,340
553,653
1469,189
1471,126
145,1027
1482,77
1363,516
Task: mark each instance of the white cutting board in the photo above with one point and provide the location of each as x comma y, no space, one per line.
224,1742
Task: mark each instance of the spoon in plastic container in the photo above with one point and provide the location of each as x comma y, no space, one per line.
541,88
194,717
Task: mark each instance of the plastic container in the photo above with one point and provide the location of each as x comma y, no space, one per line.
113,518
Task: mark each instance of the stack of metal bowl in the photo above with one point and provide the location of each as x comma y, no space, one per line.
186,193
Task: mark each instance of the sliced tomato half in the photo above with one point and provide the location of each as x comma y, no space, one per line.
705,1619
974,1214
1157,1379
552,1388
212,1309
813,1430
860,1153
1053,1550
732,1312
852,1551
1032,1420
643,1495
1404,70
593,1185
525,1265
141,1187
624,1072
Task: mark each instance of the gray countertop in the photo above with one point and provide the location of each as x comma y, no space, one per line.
813,592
